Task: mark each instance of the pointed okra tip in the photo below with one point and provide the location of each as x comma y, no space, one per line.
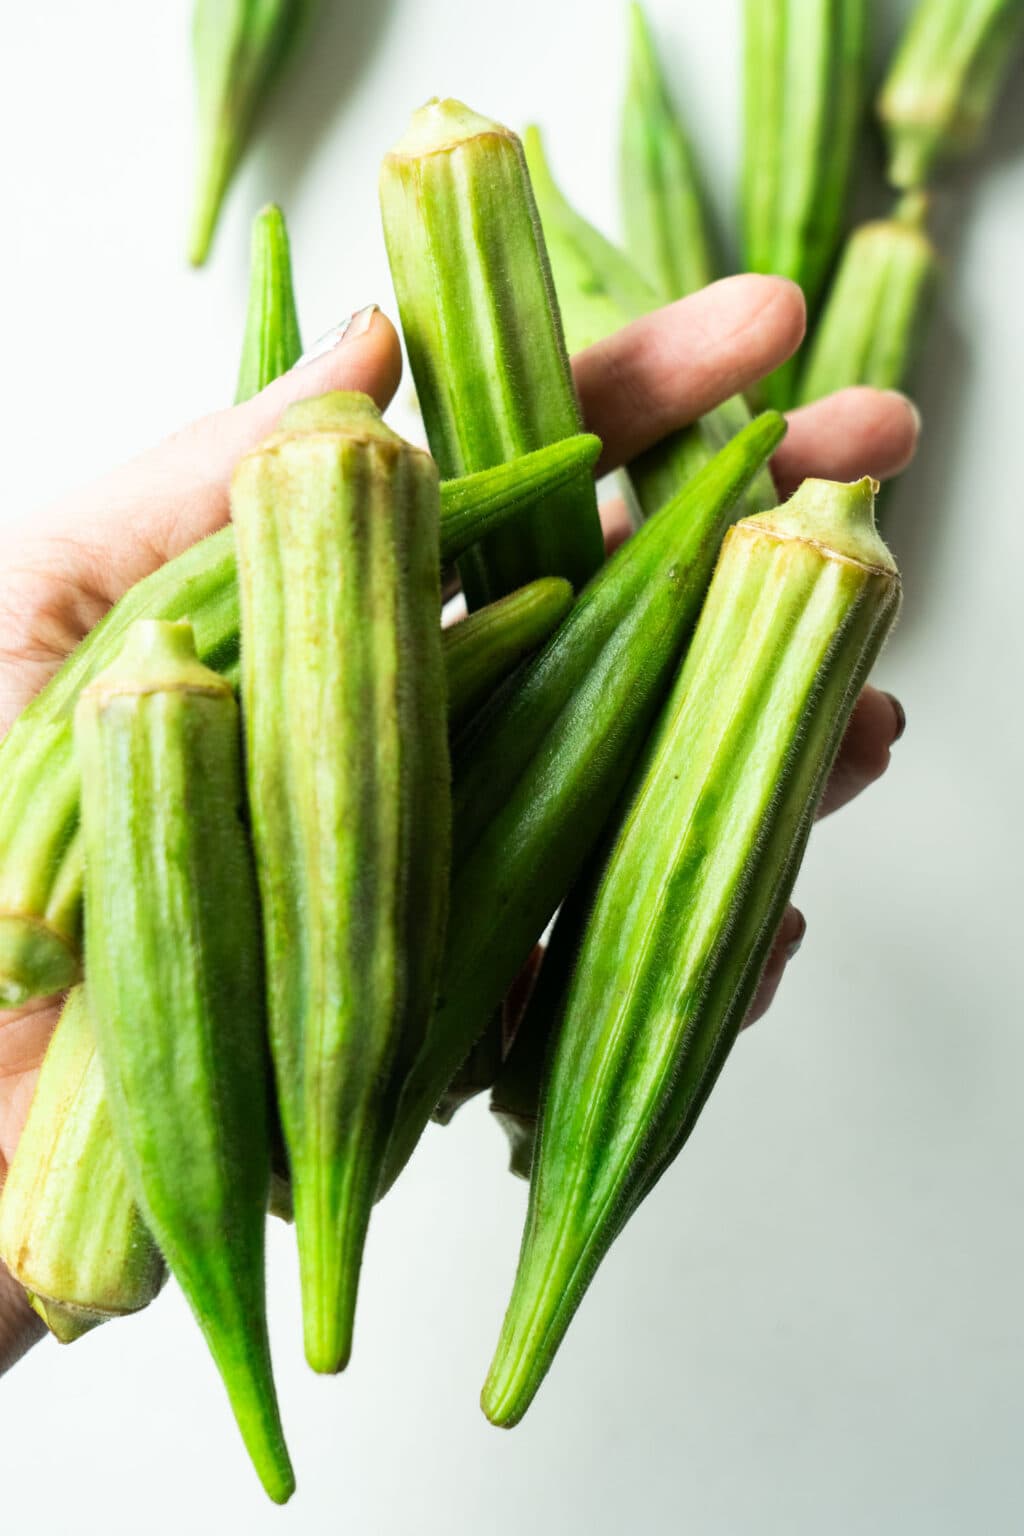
836,515
441,125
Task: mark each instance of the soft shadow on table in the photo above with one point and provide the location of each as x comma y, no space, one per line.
916,510
337,51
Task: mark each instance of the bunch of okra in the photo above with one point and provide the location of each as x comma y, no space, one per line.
290,844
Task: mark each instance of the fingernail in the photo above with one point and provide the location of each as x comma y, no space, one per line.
356,325
798,937
901,716
908,404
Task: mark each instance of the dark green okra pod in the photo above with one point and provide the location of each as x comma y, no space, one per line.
40,847
485,647
683,913
483,332
944,81
536,772
663,212
803,80
70,1229
240,48
871,322
336,520
175,994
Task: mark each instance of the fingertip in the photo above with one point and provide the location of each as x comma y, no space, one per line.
856,431
363,353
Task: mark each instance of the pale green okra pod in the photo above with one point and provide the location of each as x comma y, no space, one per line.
944,81
684,907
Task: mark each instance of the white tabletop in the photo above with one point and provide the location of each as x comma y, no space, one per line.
814,1324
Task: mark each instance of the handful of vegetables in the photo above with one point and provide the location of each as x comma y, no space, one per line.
291,843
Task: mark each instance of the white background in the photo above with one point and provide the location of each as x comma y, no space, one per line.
814,1325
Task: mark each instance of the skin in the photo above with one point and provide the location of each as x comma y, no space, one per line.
61,576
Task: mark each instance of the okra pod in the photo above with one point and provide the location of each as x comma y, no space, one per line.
484,648
240,49
871,322
272,343
40,847
803,76
484,336
683,913
600,291
536,772
175,996
663,209
336,521
70,1229
944,81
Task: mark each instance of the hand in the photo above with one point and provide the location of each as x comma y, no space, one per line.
656,375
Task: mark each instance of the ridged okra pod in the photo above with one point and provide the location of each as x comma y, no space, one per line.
484,648
343,690
944,81
175,997
684,911
271,343
537,771
240,49
803,81
40,846
483,334
70,1229
663,212
871,321
599,291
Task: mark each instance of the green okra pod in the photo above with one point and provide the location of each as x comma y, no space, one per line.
870,325
40,847
484,648
175,997
803,81
536,772
484,336
600,291
944,81
663,210
336,521
70,1228
684,908
240,49
272,343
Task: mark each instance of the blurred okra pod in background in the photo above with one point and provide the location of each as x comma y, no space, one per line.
663,211
803,84
944,81
870,324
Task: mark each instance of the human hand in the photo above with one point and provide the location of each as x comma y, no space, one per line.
653,377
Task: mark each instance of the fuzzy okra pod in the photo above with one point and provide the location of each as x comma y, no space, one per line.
663,211
871,322
336,520
486,646
272,343
484,336
40,845
175,996
600,291
536,773
803,78
70,1228
944,81
684,908
240,48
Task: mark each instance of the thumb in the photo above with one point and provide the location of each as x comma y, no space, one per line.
151,509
